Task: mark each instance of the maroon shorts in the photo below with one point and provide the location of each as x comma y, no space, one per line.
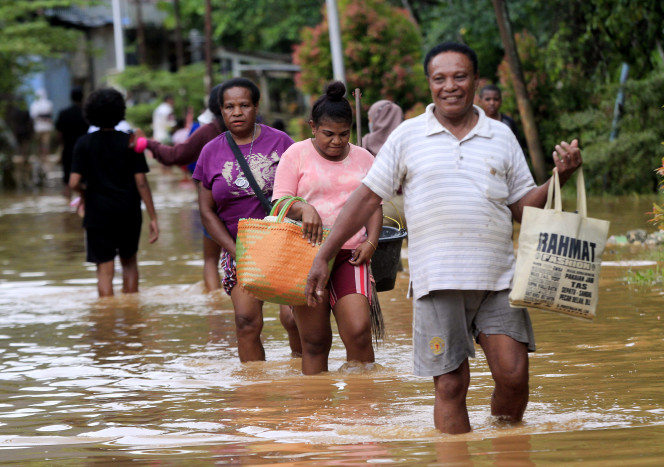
346,279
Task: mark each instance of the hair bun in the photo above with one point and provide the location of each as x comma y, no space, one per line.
335,91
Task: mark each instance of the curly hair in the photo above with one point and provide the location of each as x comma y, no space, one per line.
332,105
105,108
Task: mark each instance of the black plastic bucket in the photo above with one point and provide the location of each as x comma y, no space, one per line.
386,259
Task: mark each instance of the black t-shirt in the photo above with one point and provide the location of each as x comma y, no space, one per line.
72,125
509,121
107,166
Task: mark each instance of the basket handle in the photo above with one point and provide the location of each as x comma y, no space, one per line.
400,224
290,200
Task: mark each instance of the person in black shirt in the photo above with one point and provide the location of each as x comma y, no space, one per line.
111,178
70,125
490,100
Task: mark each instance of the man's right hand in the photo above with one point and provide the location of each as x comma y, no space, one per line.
316,281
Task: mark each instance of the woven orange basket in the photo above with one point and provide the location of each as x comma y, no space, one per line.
273,260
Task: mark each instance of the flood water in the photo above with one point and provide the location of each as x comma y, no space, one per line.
154,378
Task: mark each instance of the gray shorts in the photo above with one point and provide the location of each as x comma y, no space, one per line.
445,322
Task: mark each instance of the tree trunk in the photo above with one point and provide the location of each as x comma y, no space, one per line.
209,76
525,108
140,33
179,50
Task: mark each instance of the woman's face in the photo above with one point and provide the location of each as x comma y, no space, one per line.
238,111
331,138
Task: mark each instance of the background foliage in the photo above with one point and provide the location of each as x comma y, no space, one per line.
257,25
146,88
382,52
571,54
25,34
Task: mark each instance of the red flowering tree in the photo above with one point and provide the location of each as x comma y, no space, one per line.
382,54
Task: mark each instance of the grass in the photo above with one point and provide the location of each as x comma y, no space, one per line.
647,277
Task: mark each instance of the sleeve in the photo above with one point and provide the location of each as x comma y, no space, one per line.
384,177
141,164
286,178
519,179
184,153
78,157
286,142
200,171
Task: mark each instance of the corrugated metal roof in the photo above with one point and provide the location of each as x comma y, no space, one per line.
91,17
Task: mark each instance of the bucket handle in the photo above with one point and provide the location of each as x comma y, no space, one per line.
400,224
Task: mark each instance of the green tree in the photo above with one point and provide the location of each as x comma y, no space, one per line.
616,167
186,87
25,33
600,34
264,25
382,53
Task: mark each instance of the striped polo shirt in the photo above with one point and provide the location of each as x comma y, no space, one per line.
456,198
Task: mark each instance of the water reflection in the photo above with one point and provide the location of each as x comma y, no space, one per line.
155,375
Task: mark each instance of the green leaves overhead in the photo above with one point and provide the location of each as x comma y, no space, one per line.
257,25
25,30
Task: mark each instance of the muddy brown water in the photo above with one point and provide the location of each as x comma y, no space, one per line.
154,378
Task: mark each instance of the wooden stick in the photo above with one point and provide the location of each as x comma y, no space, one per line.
358,116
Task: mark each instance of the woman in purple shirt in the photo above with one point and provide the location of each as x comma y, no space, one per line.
225,196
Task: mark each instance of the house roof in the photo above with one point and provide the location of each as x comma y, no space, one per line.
89,17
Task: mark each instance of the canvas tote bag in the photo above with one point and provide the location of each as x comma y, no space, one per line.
559,256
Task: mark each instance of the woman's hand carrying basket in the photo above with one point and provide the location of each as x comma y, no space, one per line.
273,260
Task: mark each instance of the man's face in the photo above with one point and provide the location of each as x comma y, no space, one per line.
490,102
452,83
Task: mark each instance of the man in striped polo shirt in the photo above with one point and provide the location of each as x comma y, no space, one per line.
464,180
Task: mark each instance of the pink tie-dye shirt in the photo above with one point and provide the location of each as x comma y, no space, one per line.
326,185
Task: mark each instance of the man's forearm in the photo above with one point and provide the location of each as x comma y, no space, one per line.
361,205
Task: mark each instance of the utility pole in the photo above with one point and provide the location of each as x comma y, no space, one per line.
179,50
209,75
140,33
620,102
336,49
525,108
118,38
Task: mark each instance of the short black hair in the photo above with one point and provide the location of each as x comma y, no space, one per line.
76,94
332,105
451,47
105,108
491,87
239,83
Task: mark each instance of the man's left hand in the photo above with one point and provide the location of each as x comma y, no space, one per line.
567,157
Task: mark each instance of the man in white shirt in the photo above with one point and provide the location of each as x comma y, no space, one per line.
41,111
464,180
163,119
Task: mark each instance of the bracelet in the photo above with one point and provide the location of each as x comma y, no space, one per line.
371,243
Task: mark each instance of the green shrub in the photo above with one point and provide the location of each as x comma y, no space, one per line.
616,167
146,87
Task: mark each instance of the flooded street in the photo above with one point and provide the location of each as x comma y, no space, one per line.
154,378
